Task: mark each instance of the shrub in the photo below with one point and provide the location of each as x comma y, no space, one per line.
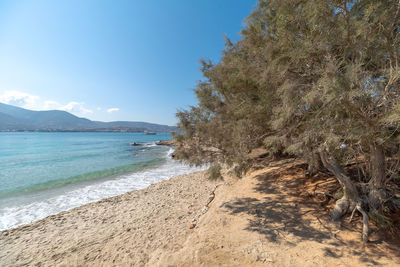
214,172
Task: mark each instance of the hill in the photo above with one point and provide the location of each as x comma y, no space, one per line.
19,119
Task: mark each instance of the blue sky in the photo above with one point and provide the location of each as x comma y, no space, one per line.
111,60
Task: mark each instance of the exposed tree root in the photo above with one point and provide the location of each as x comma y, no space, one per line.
365,222
352,214
205,208
340,209
351,199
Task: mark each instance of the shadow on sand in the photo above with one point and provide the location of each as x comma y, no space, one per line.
287,213
278,213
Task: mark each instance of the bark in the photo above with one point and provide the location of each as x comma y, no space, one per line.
349,189
377,165
365,222
342,206
351,199
376,185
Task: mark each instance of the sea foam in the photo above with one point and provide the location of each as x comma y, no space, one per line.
18,214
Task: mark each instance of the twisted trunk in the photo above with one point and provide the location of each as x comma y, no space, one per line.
350,194
351,199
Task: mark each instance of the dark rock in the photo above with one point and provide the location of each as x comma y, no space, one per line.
166,143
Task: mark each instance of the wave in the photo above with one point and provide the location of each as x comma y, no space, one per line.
148,144
83,178
151,144
23,210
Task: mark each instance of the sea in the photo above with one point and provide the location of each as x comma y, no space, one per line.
42,174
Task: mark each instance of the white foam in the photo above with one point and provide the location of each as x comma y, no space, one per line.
151,144
13,216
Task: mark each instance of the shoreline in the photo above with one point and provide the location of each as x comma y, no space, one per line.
238,222
106,199
50,202
146,217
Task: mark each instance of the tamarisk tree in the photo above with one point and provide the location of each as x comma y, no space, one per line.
314,79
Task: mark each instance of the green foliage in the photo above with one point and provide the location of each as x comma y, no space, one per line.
239,170
214,172
307,76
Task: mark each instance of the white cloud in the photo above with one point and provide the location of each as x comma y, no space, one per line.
76,107
20,99
111,110
33,102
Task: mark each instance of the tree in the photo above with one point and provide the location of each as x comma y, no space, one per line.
314,79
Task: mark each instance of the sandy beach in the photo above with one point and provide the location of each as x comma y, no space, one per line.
247,222
122,230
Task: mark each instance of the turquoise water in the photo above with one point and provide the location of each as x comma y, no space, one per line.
45,173
38,161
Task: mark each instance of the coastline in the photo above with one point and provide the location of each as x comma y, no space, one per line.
113,231
239,222
32,206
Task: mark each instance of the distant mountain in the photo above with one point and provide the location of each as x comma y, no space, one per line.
18,119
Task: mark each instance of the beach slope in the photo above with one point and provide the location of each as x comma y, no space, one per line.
122,230
271,217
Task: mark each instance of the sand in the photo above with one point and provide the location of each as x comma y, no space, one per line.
118,231
267,218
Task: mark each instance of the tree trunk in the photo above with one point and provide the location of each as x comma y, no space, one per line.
350,194
376,185
351,199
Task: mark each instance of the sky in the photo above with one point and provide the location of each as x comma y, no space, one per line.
135,60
